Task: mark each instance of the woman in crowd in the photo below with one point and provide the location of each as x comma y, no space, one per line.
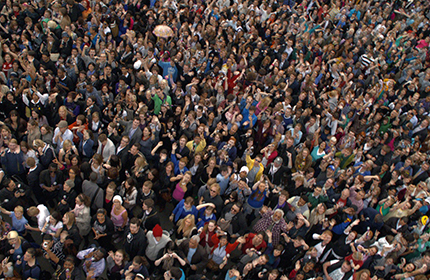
115,264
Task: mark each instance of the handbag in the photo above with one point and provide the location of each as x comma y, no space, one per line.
166,195
224,225
212,265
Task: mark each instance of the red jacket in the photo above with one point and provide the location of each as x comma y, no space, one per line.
229,248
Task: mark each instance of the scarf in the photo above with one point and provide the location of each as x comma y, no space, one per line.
78,209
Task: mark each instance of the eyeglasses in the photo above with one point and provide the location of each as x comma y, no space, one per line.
213,191
258,160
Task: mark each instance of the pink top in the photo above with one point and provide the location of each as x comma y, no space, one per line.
117,220
178,193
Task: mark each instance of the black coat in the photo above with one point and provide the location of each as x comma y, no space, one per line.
238,222
135,244
278,177
199,259
151,220
390,224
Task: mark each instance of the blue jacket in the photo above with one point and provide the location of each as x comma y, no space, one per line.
180,213
176,163
13,163
87,147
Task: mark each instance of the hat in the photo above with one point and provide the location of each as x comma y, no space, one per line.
12,234
65,35
62,124
331,167
157,231
278,160
52,24
117,197
244,169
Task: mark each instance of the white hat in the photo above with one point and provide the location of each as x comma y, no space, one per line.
117,197
244,169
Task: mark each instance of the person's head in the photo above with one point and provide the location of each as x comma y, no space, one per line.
188,202
13,238
214,190
99,254
54,218
148,205
352,235
258,160
309,266
302,201
68,185
33,211
30,255
120,257
134,150
19,212
258,239
174,273
69,218
194,241
346,267
278,215
134,225
157,232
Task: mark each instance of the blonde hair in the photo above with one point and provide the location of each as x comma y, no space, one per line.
19,209
63,109
71,217
33,211
67,144
140,164
181,225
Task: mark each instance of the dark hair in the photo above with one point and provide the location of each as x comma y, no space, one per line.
141,260
57,216
135,221
176,273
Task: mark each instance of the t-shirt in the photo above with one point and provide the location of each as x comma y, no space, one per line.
18,225
252,173
42,216
53,228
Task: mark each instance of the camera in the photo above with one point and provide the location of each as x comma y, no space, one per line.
19,189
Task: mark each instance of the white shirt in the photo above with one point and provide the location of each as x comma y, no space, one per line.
68,135
42,216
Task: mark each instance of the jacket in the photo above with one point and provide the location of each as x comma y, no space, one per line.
85,147
12,163
137,135
94,192
179,209
108,150
83,221
238,221
200,257
228,249
153,248
151,220
135,244
250,165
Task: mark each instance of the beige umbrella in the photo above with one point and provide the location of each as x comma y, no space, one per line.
163,31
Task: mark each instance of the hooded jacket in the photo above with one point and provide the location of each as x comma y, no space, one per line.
135,244
153,247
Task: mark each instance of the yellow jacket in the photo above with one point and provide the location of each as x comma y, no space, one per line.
250,165
200,147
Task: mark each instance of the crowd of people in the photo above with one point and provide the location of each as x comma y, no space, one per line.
290,138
